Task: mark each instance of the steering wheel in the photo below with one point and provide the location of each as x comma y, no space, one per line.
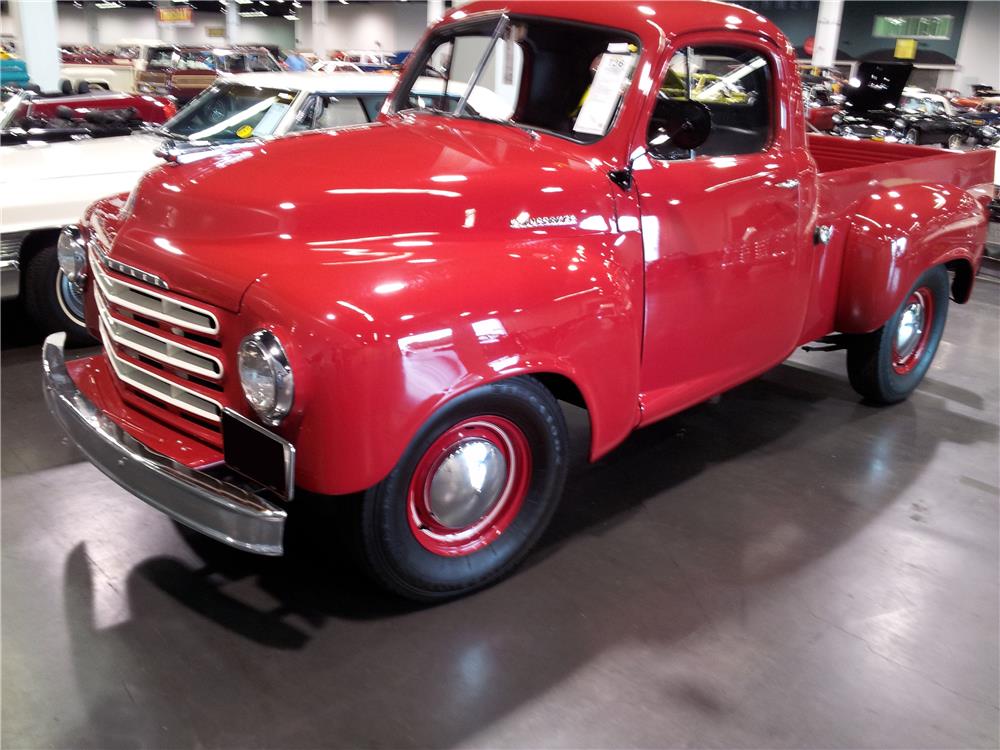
215,112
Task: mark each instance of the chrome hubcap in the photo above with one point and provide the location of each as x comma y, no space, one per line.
911,327
467,483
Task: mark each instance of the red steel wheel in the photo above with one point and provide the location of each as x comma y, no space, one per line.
886,365
469,486
913,331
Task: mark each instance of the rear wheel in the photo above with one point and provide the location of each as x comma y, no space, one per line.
887,365
52,302
472,493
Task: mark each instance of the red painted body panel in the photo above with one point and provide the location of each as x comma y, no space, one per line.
821,118
153,109
385,259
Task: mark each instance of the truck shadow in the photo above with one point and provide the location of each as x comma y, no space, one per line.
688,517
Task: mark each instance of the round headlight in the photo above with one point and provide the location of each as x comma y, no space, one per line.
266,376
72,254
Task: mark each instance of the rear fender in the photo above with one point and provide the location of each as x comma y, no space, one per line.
897,234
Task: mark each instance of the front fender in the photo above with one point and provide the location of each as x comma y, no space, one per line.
896,235
384,343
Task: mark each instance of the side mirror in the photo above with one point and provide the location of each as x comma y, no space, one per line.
679,124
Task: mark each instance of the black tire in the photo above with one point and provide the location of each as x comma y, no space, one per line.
873,364
391,550
49,301
955,141
913,136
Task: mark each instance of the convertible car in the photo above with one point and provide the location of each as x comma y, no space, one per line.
30,117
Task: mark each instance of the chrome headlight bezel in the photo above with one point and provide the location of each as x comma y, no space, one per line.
261,354
71,252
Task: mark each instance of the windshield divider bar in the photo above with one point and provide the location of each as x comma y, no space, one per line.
501,28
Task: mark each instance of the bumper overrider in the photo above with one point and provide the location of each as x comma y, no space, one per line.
219,509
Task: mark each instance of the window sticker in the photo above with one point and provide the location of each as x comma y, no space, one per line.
270,119
601,99
245,132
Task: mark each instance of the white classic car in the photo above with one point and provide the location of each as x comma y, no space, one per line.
48,185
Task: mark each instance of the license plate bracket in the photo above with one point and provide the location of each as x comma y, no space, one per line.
258,454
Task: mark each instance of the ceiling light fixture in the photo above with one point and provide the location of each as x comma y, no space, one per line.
291,17
109,4
252,13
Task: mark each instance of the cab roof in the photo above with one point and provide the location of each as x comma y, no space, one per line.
653,21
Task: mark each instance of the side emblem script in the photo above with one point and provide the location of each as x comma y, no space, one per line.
524,220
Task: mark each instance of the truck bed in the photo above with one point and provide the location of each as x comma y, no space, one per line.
853,174
851,170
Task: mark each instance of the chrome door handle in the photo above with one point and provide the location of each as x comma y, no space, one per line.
787,184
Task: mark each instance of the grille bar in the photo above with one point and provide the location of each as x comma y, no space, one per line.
157,347
160,387
153,304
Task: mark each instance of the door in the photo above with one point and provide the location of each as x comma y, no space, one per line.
727,266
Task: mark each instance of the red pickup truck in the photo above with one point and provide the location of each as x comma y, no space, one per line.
388,313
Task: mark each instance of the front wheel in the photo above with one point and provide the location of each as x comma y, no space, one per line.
955,141
52,302
913,136
886,366
472,493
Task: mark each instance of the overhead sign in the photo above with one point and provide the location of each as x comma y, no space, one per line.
906,49
215,32
180,16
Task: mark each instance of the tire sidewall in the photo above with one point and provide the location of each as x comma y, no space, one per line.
402,562
898,386
43,298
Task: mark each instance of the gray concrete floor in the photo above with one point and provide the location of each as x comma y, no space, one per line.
785,567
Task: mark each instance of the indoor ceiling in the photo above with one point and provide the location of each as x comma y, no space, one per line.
266,7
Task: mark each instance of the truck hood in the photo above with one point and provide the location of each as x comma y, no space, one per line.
356,196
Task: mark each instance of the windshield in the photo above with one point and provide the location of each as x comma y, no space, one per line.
926,106
183,59
567,79
230,112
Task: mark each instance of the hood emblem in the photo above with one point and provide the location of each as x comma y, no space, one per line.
524,220
135,273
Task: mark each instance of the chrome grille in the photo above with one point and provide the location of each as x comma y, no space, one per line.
10,245
160,387
158,345
151,303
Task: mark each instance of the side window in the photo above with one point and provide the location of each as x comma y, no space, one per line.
730,87
328,111
373,105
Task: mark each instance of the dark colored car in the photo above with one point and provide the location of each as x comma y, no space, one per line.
877,108
983,124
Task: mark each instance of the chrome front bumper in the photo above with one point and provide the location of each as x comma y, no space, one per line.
221,510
